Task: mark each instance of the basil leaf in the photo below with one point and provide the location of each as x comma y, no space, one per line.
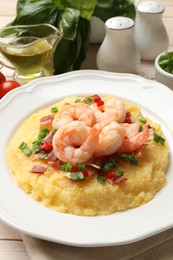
85,7
34,12
110,8
70,54
69,22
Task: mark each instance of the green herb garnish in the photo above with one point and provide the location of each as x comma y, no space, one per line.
158,139
54,109
119,173
132,159
101,179
166,62
43,156
88,101
140,129
22,145
111,164
27,151
142,120
81,167
78,100
77,176
67,167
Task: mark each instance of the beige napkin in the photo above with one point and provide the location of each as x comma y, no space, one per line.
158,247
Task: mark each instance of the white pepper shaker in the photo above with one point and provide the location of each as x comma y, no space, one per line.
150,34
118,51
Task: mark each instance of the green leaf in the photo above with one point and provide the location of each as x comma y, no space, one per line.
110,8
35,11
68,23
132,159
77,176
70,54
85,7
166,62
158,139
101,179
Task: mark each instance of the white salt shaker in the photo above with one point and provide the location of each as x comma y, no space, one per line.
118,51
150,33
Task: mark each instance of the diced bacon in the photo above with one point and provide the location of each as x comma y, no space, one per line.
38,169
46,121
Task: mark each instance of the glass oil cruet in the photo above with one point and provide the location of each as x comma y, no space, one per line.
150,34
27,48
118,51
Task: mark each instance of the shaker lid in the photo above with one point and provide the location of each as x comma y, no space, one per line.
150,7
119,23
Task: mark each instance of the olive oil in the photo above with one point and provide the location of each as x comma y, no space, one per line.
29,59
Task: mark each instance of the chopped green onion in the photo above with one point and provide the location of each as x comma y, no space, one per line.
81,167
67,167
27,151
140,129
43,156
88,101
78,100
22,145
119,173
36,142
111,164
77,176
43,132
54,109
36,149
142,120
132,159
158,139
101,179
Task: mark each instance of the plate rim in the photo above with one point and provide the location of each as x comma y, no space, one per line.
31,87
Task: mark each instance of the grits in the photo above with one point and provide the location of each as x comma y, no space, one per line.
88,197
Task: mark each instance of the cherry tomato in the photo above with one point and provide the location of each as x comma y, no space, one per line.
2,77
7,85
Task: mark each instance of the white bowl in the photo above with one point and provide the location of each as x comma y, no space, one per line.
161,75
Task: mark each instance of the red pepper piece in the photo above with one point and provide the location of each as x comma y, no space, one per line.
74,167
85,173
100,103
97,99
45,146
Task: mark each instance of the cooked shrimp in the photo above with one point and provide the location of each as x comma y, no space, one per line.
113,110
78,111
110,139
131,129
130,144
75,142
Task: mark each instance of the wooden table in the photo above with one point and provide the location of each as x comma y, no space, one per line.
11,244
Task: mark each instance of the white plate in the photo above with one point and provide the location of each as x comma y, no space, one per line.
26,215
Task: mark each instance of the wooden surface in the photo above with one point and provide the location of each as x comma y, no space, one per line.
11,244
